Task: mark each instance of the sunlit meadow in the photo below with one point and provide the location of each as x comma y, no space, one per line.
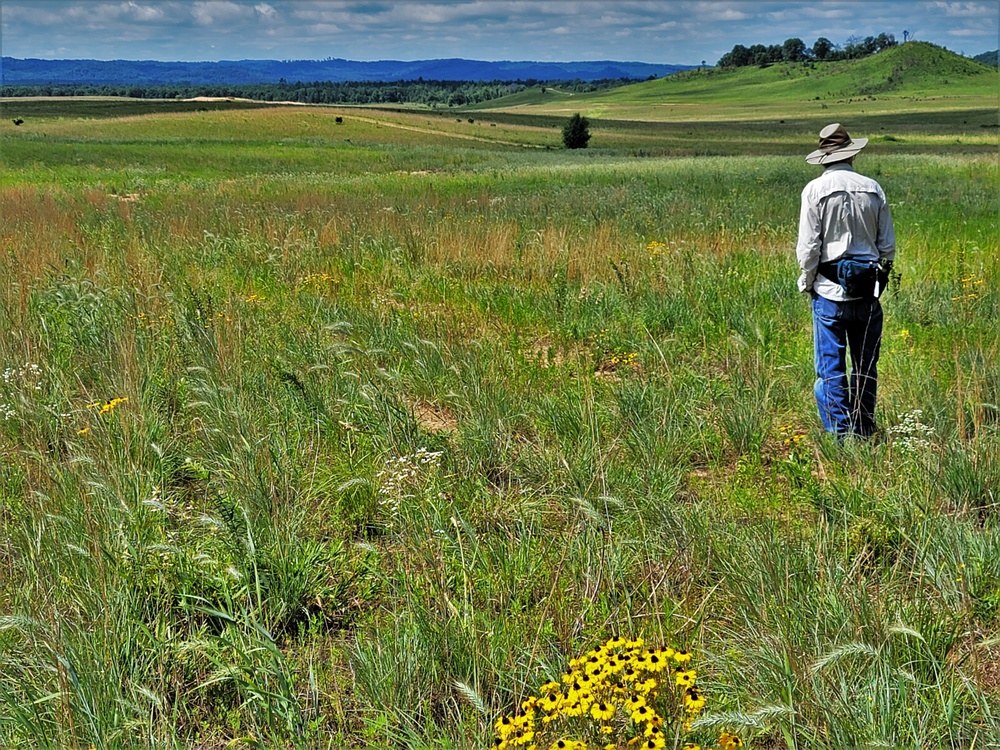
320,435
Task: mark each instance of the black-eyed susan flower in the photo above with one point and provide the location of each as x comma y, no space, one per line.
642,714
602,711
550,702
646,687
682,657
611,692
685,677
655,661
653,730
694,701
504,727
633,702
729,741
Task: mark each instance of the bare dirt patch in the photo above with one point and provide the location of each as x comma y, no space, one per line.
434,418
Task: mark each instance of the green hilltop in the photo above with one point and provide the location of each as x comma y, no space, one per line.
908,72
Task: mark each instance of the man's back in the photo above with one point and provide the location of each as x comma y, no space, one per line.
844,214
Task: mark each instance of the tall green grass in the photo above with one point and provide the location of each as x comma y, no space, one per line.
360,452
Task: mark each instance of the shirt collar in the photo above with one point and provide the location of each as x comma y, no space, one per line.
840,166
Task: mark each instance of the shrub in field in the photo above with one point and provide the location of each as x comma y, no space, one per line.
576,132
615,696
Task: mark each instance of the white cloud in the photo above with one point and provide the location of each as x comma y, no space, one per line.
719,11
265,11
986,33
209,12
967,10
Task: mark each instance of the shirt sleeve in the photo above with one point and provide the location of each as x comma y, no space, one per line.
810,243
886,242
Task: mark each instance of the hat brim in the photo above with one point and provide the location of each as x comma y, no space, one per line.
844,152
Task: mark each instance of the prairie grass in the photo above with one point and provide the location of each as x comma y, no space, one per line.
359,446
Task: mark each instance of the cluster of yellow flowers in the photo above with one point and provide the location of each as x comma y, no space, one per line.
624,359
108,406
655,247
969,292
790,436
794,441
319,278
103,408
619,695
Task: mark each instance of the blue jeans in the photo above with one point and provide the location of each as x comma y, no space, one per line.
847,405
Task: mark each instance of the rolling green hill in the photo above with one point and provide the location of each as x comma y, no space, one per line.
891,79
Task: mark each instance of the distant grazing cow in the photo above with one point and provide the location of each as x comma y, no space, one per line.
17,121
339,120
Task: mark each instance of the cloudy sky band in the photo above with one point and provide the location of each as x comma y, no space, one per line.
661,31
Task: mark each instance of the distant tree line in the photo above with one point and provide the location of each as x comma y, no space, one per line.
989,58
431,93
795,50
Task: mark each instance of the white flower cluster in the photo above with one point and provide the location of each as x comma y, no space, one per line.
30,371
26,378
404,474
911,435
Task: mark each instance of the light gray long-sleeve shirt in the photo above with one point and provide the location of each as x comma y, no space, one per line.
843,214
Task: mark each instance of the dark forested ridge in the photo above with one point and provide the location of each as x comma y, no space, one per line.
16,71
989,58
429,93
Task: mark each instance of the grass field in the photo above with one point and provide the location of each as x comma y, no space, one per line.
346,435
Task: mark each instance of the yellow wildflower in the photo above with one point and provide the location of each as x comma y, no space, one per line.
602,711
685,677
634,702
112,404
642,713
694,701
504,727
646,686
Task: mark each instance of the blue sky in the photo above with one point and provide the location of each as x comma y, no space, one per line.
661,31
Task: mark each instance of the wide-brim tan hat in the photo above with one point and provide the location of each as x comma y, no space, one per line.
835,145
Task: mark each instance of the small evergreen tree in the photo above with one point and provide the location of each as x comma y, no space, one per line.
576,132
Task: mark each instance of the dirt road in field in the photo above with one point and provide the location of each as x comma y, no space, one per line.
435,131
376,121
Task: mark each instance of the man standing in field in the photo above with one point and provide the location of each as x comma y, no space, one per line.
845,249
